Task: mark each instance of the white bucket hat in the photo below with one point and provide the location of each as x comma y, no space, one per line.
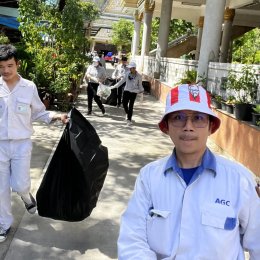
188,97
132,64
96,59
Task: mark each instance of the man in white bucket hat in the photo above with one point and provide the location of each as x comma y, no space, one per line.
191,204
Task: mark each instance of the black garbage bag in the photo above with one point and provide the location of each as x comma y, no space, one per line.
75,176
112,98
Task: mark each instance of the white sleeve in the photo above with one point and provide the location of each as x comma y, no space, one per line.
132,242
115,73
39,112
88,75
250,220
119,83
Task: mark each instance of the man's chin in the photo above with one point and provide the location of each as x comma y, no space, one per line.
8,78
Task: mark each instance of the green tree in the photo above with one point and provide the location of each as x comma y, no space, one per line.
246,49
4,39
178,28
122,33
55,40
29,14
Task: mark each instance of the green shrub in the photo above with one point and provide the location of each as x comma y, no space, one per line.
190,77
256,109
244,84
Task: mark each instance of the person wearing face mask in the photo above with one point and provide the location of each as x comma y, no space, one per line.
133,86
118,74
191,204
95,74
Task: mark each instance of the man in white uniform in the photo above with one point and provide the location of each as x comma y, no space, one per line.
20,105
118,74
192,204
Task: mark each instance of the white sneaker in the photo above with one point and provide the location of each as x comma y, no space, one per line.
128,122
31,206
3,234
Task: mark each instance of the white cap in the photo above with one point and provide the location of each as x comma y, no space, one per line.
132,64
188,97
96,59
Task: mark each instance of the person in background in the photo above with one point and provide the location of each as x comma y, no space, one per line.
95,74
94,54
133,86
102,60
119,74
192,204
20,105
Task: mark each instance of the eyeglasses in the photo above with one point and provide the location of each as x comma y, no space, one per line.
199,120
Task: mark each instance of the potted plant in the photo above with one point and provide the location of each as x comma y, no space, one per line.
223,105
256,115
189,77
230,104
244,87
216,101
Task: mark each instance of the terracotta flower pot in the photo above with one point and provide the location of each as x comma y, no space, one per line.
46,102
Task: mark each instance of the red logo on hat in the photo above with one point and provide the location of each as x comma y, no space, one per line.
174,95
194,93
208,99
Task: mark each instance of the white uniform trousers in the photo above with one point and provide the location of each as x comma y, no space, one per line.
15,158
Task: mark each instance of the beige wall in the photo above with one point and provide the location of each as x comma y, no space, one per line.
240,140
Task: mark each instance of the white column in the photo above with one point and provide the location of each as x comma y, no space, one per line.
226,35
211,35
163,36
136,36
164,28
146,40
92,45
199,36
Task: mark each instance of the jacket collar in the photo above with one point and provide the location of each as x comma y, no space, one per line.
208,162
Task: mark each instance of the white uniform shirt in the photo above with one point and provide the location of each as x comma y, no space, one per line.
132,83
19,108
166,219
120,71
97,72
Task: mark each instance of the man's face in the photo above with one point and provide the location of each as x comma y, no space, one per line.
133,70
189,131
95,63
8,70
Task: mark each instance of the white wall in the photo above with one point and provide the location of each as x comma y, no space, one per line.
218,72
172,70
